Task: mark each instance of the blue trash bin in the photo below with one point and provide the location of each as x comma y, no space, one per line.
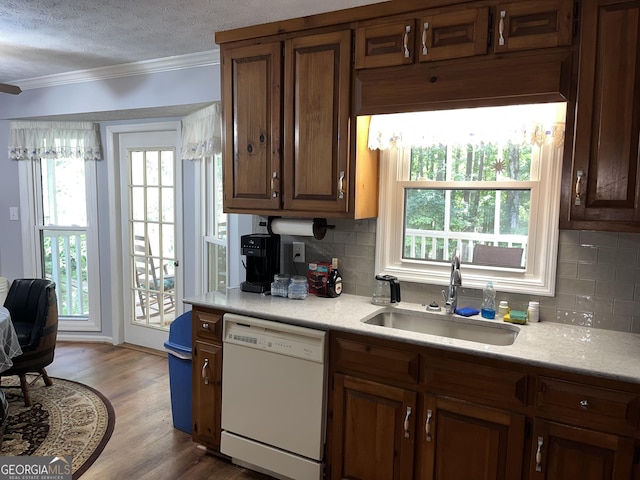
179,349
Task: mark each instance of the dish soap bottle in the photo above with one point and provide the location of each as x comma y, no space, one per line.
489,302
334,282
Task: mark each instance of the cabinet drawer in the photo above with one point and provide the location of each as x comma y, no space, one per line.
595,405
207,325
380,361
496,385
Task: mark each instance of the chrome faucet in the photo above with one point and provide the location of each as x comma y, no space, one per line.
455,281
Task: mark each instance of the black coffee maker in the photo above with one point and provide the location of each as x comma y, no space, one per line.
263,261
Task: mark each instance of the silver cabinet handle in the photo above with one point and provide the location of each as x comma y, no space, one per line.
406,423
539,455
427,425
578,199
584,404
205,366
205,326
425,27
405,42
341,185
503,14
275,184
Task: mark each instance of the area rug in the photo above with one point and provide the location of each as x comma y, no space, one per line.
67,418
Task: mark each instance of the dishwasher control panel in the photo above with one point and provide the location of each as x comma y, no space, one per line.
279,338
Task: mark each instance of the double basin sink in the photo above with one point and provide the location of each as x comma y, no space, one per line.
492,332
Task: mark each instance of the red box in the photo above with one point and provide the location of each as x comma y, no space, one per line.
317,276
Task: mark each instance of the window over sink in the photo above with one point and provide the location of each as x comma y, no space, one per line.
483,181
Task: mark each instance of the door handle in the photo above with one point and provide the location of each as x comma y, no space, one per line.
205,366
406,423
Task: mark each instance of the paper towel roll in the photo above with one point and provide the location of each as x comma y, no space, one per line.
4,288
303,228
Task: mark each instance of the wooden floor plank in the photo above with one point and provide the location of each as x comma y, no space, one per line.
144,444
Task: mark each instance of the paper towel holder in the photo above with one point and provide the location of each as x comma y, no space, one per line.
319,226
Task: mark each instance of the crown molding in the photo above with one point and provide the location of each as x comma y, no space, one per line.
179,62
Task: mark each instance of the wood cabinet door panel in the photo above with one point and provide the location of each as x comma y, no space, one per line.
373,430
454,35
206,324
385,45
606,155
252,117
561,452
465,440
207,394
317,89
529,25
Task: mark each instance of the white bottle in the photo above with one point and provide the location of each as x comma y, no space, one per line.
533,312
503,309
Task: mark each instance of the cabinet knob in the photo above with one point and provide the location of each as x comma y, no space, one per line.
585,404
205,326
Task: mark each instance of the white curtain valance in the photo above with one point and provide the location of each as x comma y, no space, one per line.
202,133
522,124
42,140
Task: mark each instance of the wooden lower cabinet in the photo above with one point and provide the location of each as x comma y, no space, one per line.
462,440
207,377
561,452
207,382
373,438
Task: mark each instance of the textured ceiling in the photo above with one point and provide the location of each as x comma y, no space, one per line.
47,37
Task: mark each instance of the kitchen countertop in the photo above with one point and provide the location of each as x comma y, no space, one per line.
604,353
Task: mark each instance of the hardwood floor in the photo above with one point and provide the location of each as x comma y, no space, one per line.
144,444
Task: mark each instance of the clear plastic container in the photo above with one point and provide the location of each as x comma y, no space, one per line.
280,285
533,312
298,288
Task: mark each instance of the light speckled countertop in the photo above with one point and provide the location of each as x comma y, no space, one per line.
603,353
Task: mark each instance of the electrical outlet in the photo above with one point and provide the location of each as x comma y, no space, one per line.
298,252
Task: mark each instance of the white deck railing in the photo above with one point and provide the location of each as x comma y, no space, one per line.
423,244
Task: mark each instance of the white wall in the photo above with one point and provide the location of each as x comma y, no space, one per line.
165,89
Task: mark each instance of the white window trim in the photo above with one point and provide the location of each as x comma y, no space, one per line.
31,240
537,279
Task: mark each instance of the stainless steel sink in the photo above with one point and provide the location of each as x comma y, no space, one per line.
462,328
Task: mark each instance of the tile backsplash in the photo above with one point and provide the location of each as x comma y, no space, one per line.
597,282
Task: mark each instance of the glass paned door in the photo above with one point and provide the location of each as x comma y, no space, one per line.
152,236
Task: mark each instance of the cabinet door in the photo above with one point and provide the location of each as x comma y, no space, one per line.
561,451
373,430
317,87
385,45
454,35
207,394
251,84
464,440
528,25
603,185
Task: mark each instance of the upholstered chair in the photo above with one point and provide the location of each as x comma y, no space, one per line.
33,306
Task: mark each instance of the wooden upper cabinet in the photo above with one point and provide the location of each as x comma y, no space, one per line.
601,185
251,92
529,25
385,44
316,126
453,35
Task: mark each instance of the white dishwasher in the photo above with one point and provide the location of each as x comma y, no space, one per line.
273,397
